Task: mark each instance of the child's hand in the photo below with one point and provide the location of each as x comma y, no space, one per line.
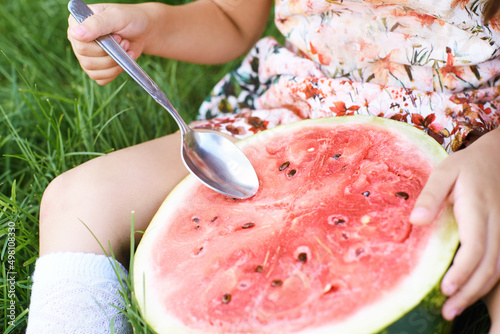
470,180
201,32
492,301
128,23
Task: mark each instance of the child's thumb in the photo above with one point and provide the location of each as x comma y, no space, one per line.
434,195
94,26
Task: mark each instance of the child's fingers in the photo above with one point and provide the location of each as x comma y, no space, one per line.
97,59
433,195
481,282
492,301
103,22
96,63
103,77
89,49
473,232
105,70
472,278
468,295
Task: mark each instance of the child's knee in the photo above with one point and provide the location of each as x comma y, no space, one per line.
77,192
50,200
57,197
75,217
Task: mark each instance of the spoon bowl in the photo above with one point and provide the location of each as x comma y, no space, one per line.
233,178
215,160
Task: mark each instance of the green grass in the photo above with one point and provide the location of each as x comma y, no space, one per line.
52,118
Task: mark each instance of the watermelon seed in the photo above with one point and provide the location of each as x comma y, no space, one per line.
330,288
277,282
365,219
197,227
402,194
359,251
303,257
336,156
259,269
338,221
344,236
199,250
214,219
226,298
247,225
196,220
284,165
366,193
292,173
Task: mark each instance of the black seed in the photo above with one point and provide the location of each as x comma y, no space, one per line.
402,194
277,282
344,236
199,250
226,298
284,165
366,193
338,221
302,257
197,227
214,219
336,156
247,225
292,173
196,220
259,269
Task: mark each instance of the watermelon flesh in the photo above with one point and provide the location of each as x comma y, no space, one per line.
325,239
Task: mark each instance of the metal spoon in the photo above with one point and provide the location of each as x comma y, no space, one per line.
211,157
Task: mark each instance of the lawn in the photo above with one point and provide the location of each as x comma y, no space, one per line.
52,118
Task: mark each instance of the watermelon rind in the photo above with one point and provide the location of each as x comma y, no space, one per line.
425,318
414,305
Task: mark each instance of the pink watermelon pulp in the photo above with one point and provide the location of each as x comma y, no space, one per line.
324,246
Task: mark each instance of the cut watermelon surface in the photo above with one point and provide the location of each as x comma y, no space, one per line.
325,245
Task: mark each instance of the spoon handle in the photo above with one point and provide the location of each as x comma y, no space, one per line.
80,12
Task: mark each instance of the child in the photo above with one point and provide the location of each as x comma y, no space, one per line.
433,64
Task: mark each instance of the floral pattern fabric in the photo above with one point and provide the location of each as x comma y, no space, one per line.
431,63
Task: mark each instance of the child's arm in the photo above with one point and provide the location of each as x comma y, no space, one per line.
470,180
204,31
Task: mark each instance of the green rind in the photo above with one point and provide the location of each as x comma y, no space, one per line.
425,318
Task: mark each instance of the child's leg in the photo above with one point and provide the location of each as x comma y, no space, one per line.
103,192
74,283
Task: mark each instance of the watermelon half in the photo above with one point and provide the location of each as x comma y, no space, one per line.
325,245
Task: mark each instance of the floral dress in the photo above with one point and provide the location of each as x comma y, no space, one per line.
431,63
